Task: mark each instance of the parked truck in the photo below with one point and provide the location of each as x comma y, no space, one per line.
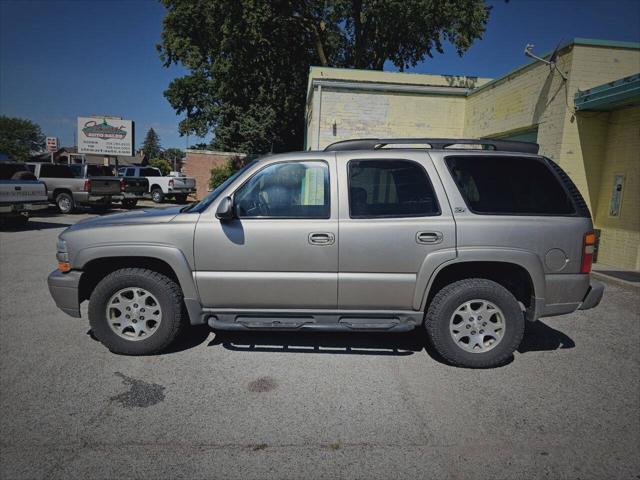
67,191
132,189
175,185
20,193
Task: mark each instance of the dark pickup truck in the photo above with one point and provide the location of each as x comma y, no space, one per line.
67,189
131,188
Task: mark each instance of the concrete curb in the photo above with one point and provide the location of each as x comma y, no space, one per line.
617,281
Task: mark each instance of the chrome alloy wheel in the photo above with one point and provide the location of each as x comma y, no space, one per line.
477,326
133,313
64,204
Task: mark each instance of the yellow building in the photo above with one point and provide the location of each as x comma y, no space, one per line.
588,122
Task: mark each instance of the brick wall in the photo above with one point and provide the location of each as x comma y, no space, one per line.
198,164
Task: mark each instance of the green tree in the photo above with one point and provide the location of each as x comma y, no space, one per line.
174,156
220,173
248,60
19,137
162,164
151,146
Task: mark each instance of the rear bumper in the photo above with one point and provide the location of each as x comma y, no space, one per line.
84,198
593,296
19,207
64,287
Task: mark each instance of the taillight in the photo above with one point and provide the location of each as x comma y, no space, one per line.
171,183
588,246
122,184
87,186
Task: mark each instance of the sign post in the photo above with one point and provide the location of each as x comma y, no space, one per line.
52,146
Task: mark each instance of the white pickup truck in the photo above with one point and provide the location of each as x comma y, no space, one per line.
175,185
20,193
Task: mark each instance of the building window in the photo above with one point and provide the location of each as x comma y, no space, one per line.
616,196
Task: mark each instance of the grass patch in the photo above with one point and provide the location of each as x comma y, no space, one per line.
260,446
335,446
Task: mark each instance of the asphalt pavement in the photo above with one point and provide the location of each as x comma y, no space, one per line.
290,406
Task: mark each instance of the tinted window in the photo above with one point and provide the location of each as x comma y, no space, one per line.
130,172
8,170
77,170
286,190
390,188
99,171
48,170
150,172
508,185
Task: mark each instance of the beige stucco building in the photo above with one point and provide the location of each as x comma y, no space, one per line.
588,123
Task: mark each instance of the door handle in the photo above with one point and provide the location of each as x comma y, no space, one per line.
322,238
429,237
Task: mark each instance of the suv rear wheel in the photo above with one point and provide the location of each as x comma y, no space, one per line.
475,323
135,311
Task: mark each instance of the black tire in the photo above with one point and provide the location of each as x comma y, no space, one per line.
65,203
156,195
181,198
129,203
445,303
163,288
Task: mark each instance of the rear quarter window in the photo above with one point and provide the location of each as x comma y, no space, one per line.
509,186
55,171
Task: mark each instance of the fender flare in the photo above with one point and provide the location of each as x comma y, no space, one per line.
527,260
172,256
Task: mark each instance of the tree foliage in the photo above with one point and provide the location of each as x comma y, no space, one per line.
19,137
248,60
221,172
174,156
162,164
151,146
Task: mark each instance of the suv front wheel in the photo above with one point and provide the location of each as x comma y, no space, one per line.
475,323
135,311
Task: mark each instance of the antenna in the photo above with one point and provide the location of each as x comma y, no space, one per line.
528,51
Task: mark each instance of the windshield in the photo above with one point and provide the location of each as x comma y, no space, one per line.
215,193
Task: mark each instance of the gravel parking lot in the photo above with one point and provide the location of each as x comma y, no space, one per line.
307,405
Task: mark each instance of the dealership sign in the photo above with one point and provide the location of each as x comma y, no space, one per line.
105,136
52,144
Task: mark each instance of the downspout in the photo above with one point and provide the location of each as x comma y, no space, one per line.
319,116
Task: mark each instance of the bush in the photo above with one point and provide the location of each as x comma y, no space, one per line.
163,165
220,173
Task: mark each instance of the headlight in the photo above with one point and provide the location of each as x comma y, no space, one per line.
62,255
61,246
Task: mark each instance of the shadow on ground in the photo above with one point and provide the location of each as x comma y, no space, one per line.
538,337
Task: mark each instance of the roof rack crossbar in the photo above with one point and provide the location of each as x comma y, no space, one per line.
434,143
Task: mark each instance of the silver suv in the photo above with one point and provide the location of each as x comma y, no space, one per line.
468,239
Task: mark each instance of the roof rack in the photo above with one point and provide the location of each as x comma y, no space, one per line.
434,143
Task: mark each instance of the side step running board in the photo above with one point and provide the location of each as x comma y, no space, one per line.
309,323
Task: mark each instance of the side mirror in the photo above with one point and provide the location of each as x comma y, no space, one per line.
225,209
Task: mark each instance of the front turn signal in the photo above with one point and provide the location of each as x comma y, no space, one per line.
64,267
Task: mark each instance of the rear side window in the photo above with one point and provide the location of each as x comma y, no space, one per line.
99,171
8,170
150,172
390,188
48,170
509,186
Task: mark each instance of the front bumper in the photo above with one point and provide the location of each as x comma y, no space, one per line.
593,296
64,287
